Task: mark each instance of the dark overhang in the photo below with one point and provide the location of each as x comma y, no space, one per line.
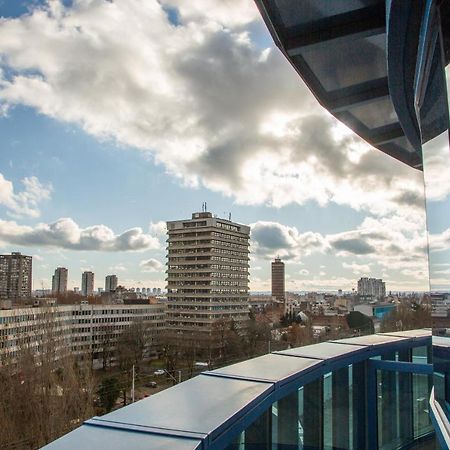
340,49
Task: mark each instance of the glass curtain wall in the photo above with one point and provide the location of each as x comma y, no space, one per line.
328,413
434,115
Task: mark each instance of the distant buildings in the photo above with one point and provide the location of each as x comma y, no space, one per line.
87,284
15,276
261,302
59,281
370,289
110,283
278,289
207,274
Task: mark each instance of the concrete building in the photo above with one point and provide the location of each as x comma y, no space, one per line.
370,289
110,283
278,289
59,281
378,310
207,274
85,329
15,276
87,284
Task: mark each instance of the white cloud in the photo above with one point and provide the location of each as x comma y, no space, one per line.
437,168
397,246
65,233
27,201
151,265
158,228
117,268
211,105
440,241
358,269
224,12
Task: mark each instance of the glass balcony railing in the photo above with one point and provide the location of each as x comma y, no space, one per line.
366,392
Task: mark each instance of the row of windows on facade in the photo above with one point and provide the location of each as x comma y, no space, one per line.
87,333
225,299
189,251
209,258
193,267
71,325
197,234
210,242
204,317
208,283
207,291
45,316
188,308
203,223
208,275
198,324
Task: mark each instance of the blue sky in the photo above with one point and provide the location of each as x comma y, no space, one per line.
105,138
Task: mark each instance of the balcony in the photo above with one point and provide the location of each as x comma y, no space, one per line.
365,392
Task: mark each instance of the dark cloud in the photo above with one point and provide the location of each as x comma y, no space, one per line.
355,246
410,198
271,237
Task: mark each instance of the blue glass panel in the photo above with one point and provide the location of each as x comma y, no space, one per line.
295,12
420,355
421,396
375,114
342,63
328,411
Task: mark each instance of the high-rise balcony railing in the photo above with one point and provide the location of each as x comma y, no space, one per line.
365,392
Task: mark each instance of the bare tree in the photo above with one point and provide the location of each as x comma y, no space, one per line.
46,391
133,345
408,316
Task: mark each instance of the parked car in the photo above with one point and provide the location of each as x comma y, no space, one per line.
159,372
151,384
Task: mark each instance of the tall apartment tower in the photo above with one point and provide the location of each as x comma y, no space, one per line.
207,275
110,283
87,284
371,289
278,290
59,281
15,276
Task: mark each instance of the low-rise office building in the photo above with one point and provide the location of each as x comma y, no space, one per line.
85,329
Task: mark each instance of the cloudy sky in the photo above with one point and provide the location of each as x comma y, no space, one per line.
116,116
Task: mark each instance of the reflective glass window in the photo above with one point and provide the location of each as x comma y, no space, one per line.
375,114
345,62
295,13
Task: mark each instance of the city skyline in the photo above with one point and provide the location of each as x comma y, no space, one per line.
90,189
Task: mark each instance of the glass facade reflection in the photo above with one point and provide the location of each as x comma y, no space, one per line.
379,67
335,411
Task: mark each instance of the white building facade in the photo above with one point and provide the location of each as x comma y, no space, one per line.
84,329
207,274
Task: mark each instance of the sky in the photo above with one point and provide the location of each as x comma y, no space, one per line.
116,116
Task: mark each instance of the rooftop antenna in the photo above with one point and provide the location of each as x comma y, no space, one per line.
206,208
229,216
